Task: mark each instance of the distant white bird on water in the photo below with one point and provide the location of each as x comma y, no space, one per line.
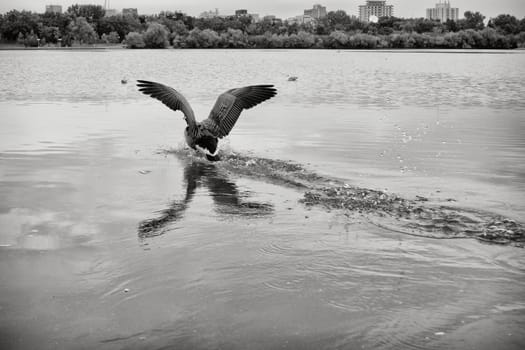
204,135
292,78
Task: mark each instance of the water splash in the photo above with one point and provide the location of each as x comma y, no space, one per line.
417,217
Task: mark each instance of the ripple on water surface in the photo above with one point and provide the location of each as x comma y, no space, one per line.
410,216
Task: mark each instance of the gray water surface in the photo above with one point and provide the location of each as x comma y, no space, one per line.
110,239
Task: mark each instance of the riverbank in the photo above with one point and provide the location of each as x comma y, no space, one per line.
56,47
14,47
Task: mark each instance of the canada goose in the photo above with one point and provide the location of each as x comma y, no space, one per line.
204,135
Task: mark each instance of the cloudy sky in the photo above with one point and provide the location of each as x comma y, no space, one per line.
281,8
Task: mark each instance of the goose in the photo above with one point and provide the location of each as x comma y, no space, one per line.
204,135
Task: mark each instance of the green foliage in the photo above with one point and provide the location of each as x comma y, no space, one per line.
424,25
305,39
31,40
451,25
339,39
20,39
81,31
120,24
135,40
206,38
473,20
111,38
92,13
15,22
180,28
233,38
338,20
156,36
364,41
57,20
505,24
520,39
50,34
86,23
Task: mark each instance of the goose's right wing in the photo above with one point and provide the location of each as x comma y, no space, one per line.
230,104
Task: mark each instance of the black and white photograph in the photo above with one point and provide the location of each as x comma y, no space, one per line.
260,175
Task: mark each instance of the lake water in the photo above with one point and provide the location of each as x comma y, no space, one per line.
113,236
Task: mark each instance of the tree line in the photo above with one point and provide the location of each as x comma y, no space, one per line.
87,24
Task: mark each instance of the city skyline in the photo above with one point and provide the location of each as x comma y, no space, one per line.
281,9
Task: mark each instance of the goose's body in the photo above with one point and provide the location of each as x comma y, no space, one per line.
205,135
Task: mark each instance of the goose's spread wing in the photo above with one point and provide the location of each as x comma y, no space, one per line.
230,104
169,96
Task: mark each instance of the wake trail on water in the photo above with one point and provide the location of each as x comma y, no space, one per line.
417,217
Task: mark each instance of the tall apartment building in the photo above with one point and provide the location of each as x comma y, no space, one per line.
375,8
242,12
111,12
130,12
209,14
443,12
316,12
53,8
301,19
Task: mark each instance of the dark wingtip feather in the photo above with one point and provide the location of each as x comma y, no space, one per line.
266,89
145,83
149,87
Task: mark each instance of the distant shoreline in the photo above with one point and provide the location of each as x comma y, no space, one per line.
95,47
64,48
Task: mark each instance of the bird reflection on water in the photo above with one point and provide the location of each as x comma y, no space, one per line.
227,199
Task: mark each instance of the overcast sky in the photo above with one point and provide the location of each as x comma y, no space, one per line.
280,8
